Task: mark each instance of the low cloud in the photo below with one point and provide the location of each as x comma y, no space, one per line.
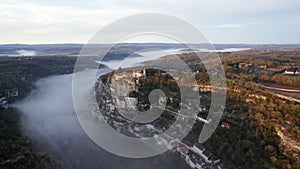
50,120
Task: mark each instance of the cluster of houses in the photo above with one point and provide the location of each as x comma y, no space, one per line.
195,154
294,71
11,92
197,157
263,66
124,90
242,65
3,102
125,95
7,94
291,72
140,74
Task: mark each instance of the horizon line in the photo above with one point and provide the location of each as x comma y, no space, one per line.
232,43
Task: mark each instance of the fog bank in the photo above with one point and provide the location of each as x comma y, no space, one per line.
50,120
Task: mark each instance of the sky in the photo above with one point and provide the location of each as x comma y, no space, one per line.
221,21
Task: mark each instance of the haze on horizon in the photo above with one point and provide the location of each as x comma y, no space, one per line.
222,21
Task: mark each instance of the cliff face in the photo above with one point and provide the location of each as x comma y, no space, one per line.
121,97
255,118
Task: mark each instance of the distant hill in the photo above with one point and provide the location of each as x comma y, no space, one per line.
74,49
